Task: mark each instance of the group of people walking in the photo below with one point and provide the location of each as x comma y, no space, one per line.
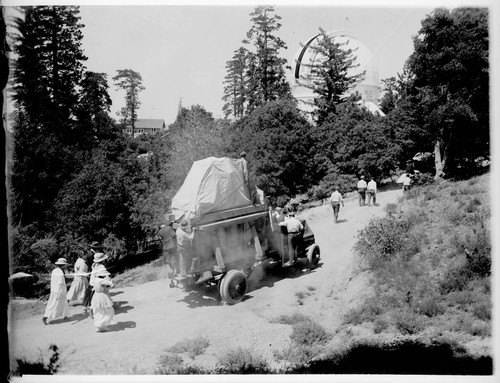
93,294
367,193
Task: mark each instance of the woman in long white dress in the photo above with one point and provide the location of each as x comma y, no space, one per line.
80,281
57,306
102,305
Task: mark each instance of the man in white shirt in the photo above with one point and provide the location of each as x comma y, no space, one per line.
293,227
336,199
372,191
361,191
406,182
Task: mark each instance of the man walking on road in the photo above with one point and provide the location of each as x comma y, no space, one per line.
336,199
372,191
362,191
293,227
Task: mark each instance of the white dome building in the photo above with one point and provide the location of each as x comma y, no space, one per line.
368,88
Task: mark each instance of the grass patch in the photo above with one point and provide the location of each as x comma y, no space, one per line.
174,365
152,271
193,347
430,261
241,361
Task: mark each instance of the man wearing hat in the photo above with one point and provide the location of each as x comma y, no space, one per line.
185,236
335,200
362,191
57,306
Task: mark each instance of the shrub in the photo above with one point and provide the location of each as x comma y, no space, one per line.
241,361
380,325
193,347
309,333
408,323
429,306
174,364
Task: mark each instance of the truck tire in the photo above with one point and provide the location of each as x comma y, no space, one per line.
313,256
233,286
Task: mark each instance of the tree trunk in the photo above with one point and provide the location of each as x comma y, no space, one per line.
440,155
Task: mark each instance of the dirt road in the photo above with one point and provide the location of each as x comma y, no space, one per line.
152,316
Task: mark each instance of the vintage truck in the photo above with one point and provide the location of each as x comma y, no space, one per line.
232,232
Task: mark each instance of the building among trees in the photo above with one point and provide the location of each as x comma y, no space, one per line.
147,126
368,88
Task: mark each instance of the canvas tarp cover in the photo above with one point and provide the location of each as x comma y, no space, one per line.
212,185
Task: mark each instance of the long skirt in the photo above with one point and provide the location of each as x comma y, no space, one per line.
78,289
102,307
57,306
87,299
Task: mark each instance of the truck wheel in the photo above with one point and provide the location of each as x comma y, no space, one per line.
233,286
313,256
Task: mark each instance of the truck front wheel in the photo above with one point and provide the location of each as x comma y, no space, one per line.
233,286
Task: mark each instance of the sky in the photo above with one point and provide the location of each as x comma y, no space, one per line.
181,51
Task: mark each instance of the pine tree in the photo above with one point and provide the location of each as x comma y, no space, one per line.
94,96
267,80
328,74
235,84
131,82
47,71
49,65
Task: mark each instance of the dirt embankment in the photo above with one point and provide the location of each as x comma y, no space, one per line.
152,317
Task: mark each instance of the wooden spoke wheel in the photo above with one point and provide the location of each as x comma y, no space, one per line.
233,286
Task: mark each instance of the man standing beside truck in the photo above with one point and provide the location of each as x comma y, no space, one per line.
293,227
185,236
167,237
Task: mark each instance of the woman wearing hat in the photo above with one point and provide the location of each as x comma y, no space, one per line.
80,282
57,306
102,305
97,266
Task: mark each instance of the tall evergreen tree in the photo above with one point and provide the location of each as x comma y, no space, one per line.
328,74
94,96
267,76
49,65
450,78
131,82
47,71
235,84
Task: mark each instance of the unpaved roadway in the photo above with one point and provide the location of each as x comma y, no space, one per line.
152,317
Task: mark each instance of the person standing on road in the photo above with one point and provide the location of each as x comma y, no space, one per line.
80,282
293,227
97,267
362,191
336,199
406,182
102,305
94,248
185,237
169,243
57,306
372,191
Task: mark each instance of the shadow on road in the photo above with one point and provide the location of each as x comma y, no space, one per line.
342,220
113,293
121,326
121,307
